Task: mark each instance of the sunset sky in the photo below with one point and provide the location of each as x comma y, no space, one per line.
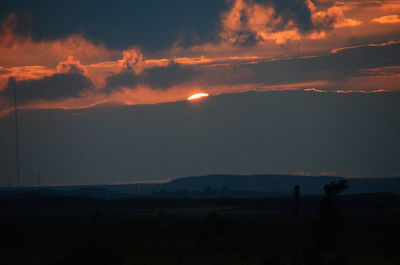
85,68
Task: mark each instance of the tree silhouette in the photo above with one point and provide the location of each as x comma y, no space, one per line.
329,221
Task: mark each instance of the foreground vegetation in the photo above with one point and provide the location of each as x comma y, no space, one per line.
182,231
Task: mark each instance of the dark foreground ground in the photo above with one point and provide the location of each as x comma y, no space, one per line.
37,229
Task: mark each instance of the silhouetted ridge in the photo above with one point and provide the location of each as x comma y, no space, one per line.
257,183
216,186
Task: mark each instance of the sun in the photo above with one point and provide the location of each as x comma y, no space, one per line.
197,96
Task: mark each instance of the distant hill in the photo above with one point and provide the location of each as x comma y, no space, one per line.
213,186
264,184
255,183
311,185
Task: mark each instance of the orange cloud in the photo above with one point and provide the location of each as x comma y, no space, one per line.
35,72
225,81
391,19
362,91
333,15
392,42
97,72
315,90
126,96
132,60
244,21
353,28
71,66
26,72
373,83
26,59
297,86
384,71
19,50
250,20
143,94
23,73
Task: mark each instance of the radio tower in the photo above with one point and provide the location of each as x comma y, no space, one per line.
16,130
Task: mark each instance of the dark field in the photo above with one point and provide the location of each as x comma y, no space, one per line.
66,230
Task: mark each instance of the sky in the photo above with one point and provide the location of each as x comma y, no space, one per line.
102,88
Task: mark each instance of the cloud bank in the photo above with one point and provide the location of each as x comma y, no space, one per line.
240,45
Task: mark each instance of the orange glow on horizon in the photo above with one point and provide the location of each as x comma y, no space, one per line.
197,96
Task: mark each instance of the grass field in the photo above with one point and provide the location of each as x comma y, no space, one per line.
40,230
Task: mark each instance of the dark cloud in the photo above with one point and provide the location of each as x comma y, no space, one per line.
165,77
295,10
119,80
152,24
248,22
156,77
54,87
247,38
334,67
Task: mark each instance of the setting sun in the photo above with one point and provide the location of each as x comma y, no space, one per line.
197,96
